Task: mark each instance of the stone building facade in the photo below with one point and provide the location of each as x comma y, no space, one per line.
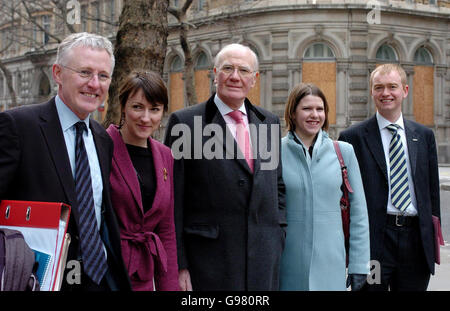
333,43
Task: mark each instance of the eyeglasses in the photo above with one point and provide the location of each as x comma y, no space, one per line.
242,71
88,75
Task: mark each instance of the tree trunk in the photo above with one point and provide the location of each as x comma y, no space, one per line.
141,43
189,73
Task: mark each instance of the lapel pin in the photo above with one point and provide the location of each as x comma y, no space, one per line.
165,173
415,139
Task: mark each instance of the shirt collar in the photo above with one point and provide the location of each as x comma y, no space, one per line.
320,135
66,116
224,109
383,122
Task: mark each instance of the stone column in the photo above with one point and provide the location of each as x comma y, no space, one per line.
439,94
408,104
265,71
342,103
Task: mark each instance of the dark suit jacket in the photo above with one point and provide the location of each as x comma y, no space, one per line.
228,220
366,140
148,239
34,166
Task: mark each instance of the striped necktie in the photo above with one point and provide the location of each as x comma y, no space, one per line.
94,259
400,195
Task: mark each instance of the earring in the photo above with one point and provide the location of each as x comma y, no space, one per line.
122,120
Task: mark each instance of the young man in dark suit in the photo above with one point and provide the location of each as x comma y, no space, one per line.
45,157
229,196
398,162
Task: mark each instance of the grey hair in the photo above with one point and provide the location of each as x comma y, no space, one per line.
84,39
235,46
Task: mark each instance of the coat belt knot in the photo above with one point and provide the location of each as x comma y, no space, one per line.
146,243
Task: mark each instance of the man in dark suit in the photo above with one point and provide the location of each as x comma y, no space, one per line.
38,161
399,168
229,193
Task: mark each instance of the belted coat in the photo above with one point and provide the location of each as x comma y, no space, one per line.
314,256
147,239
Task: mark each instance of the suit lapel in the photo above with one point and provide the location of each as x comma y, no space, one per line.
51,129
412,140
373,141
254,121
126,168
161,174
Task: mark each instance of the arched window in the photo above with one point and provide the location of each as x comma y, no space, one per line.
423,56
254,93
319,67
176,85
386,54
423,87
44,86
202,79
201,61
319,51
253,49
177,65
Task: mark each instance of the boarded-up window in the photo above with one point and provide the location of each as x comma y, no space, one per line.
202,80
323,74
423,87
253,94
319,68
176,85
202,88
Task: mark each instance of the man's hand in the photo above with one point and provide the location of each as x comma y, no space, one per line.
184,280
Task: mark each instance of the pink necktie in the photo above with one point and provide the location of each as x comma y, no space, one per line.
242,137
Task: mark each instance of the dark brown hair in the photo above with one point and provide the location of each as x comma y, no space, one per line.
150,82
295,96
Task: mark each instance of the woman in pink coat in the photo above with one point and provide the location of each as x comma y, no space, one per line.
142,185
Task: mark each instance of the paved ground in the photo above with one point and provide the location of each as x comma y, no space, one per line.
441,280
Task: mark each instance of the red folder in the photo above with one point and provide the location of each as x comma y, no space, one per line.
44,227
438,239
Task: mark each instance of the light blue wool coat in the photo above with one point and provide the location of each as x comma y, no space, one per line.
314,254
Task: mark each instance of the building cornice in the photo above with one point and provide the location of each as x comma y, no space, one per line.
215,15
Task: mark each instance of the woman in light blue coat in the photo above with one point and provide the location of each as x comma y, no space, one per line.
314,256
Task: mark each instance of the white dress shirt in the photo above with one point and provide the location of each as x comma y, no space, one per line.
386,137
225,110
68,119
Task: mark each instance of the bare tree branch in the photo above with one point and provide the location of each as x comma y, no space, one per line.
174,11
32,19
186,6
61,7
189,73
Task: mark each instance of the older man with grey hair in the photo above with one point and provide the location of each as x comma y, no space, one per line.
53,152
229,202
